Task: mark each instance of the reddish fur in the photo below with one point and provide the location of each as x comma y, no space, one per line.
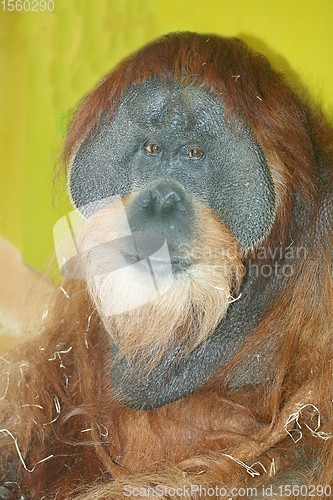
190,441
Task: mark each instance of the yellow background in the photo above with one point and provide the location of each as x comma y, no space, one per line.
49,60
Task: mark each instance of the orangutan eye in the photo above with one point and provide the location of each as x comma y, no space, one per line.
153,149
195,153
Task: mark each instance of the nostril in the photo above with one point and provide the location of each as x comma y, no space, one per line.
160,201
150,200
163,199
168,202
169,197
175,196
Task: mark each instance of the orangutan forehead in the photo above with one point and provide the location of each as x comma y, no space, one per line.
179,107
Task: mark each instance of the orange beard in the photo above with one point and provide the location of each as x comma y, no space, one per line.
144,304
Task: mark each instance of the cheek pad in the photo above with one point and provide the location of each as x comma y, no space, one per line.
241,188
100,168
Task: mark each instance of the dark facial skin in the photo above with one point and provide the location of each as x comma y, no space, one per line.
167,139
170,144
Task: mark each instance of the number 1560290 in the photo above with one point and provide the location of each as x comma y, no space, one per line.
27,5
